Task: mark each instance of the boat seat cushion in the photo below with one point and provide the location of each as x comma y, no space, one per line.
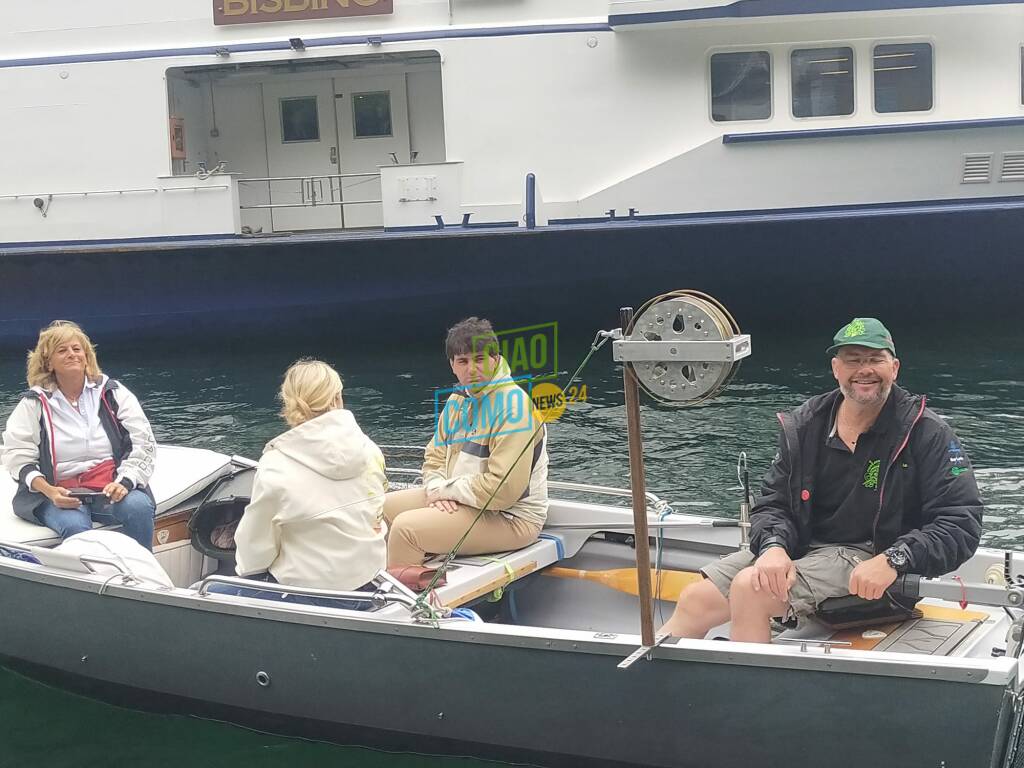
180,474
471,577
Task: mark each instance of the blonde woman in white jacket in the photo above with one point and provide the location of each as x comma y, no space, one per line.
316,515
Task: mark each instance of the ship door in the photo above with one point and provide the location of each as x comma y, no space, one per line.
302,151
372,113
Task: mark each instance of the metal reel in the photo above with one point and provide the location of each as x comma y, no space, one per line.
682,316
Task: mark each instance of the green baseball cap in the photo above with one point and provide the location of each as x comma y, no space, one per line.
864,332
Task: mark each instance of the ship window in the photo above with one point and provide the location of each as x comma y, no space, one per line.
903,77
371,114
741,86
299,120
822,81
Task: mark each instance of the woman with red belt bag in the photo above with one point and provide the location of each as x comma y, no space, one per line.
78,443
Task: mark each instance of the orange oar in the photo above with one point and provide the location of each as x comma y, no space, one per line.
625,579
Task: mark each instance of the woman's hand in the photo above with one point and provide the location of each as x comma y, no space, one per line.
115,491
60,497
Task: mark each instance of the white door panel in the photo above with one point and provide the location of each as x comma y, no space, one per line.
302,142
373,123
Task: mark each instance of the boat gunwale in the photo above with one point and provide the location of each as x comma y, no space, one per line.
1001,671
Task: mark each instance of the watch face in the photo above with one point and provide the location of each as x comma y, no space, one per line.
897,557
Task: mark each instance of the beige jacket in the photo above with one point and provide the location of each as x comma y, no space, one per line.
481,436
315,519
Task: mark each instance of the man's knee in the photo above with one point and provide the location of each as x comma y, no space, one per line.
743,584
701,606
701,598
743,592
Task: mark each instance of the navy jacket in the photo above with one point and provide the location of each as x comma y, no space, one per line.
927,498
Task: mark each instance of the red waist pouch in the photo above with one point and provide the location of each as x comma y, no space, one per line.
95,479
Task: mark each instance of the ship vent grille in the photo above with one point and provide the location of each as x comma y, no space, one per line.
977,169
1013,167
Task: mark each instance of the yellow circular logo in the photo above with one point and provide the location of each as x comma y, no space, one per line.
549,399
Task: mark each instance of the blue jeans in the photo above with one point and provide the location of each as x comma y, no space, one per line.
284,597
134,513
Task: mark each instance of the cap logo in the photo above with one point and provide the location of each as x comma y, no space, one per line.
856,328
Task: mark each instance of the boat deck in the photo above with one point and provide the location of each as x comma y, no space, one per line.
942,630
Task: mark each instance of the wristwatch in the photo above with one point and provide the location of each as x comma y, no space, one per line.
769,542
898,559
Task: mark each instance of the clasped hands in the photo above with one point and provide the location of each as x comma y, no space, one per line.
436,500
775,572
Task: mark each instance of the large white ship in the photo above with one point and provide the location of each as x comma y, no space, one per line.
230,162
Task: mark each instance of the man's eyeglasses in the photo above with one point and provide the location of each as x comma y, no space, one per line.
862,361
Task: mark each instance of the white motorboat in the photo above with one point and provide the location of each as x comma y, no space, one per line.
539,677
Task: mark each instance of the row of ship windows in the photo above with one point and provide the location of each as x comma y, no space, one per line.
821,81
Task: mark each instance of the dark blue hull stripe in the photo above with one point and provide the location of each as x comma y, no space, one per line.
871,130
752,9
956,205
320,42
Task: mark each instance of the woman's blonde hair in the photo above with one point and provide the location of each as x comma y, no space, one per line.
39,371
311,388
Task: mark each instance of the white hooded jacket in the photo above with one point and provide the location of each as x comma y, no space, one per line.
316,515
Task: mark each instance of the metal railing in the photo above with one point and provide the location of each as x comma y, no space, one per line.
87,193
311,191
653,501
99,192
379,597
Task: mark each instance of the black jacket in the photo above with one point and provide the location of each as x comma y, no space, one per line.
927,497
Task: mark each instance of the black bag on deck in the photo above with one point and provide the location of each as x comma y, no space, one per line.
852,611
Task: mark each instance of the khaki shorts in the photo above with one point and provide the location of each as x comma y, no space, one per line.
822,573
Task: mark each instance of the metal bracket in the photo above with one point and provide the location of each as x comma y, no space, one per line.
805,642
642,651
725,351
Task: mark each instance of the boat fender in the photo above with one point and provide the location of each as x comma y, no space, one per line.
468,614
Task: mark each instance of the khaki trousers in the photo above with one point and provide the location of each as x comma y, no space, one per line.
416,530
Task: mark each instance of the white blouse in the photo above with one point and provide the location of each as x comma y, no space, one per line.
80,442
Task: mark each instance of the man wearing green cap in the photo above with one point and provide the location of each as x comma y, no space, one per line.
868,483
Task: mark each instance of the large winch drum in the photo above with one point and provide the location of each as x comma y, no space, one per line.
682,347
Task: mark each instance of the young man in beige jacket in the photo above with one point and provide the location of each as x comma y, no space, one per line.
488,453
